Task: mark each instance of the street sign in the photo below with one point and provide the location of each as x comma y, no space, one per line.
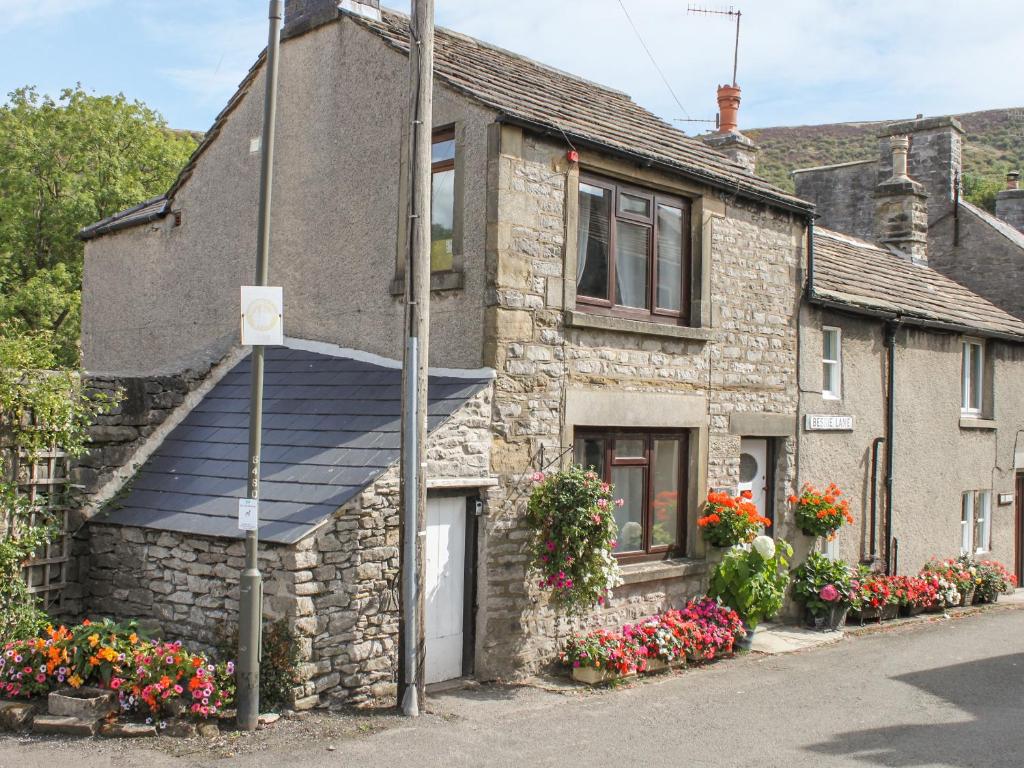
262,315
816,422
248,514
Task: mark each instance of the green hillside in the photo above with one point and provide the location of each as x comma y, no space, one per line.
993,146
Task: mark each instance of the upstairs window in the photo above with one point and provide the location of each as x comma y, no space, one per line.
648,472
442,205
831,363
972,373
976,522
632,252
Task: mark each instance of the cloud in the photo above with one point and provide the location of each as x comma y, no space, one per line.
16,13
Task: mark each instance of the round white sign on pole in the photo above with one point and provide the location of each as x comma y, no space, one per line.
262,315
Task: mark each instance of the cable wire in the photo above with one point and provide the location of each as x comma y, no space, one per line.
653,61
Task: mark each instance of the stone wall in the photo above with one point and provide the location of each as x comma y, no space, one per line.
145,404
185,587
743,360
843,195
977,253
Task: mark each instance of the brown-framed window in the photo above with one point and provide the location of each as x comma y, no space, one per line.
442,206
633,252
648,470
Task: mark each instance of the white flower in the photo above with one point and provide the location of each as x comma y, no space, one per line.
765,547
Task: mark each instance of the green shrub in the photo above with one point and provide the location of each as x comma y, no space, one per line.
279,664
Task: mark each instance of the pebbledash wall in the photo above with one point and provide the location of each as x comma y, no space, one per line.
337,587
559,369
929,431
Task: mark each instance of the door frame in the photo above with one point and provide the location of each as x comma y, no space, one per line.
770,453
469,573
1018,528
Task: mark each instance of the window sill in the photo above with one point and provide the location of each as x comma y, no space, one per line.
577,319
974,422
448,280
662,570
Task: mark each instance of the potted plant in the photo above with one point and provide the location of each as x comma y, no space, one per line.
730,520
821,513
602,655
824,587
913,594
873,597
958,575
993,580
571,513
752,581
946,592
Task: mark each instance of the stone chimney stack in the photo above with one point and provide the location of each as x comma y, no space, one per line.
901,208
728,140
1010,202
936,149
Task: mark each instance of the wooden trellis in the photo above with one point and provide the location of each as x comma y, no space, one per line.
44,482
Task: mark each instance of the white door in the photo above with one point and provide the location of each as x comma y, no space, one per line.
445,598
754,470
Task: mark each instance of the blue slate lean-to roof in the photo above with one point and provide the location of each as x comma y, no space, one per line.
330,428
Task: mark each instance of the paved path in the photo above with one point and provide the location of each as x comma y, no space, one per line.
943,693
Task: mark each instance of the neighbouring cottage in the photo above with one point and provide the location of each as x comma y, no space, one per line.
912,398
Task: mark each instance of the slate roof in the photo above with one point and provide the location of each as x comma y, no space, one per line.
539,96
330,428
860,275
1006,229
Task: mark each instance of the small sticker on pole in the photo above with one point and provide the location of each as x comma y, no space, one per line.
262,315
248,514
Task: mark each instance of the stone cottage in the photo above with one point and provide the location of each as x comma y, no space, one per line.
912,393
604,288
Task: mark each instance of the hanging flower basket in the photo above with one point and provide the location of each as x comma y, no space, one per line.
821,513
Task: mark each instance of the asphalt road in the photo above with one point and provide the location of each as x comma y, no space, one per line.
947,693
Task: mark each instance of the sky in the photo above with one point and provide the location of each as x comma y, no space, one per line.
801,62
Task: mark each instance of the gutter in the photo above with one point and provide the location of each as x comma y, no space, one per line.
125,222
643,160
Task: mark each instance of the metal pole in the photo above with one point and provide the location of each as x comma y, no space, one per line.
736,50
417,296
250,599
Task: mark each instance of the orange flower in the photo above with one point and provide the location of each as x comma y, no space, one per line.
94,640
133,638
74,681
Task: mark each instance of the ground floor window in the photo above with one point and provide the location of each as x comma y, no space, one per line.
648,470
975,522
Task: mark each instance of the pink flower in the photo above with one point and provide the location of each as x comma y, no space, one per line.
596,518
602,503
550,545
605,487
538,477
620,502
829,593
115,683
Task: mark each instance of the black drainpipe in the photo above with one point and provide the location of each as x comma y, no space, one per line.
890,429
810,256
873,549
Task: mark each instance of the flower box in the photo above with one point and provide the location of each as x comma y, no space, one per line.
592,676
656,665
907,611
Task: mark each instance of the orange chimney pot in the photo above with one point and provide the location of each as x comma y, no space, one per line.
728,108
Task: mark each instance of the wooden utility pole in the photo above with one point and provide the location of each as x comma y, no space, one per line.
416,356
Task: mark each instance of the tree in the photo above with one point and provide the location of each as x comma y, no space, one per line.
39,408
64,164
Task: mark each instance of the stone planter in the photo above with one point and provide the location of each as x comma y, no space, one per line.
656,665
967,597
83,703
836,617
890,612
864,614
745,643
906,611
592,676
